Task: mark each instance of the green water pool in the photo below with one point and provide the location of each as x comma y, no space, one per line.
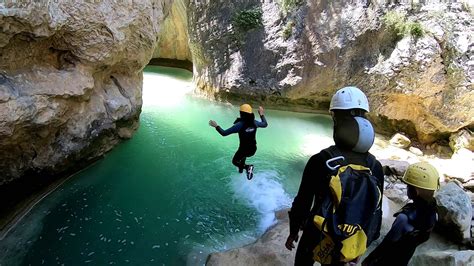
170,195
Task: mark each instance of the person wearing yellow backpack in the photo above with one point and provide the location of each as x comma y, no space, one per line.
413,223
353,136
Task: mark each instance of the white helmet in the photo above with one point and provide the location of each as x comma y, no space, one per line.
349,98
366,135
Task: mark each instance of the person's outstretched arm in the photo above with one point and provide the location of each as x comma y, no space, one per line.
233,129
262,123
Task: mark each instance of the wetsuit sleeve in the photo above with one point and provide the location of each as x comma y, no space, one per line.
399,228
234,129
262,123
303,201
378,172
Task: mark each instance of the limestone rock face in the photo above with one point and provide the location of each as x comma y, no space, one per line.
301,54
173,39
70,79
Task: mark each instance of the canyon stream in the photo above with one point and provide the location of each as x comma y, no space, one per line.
170,195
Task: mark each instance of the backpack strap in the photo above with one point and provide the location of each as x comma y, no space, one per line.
336,158
334,161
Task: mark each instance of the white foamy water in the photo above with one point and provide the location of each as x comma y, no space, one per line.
264,193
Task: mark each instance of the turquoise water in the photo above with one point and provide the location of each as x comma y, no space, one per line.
170,195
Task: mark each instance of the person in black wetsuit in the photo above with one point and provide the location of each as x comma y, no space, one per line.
353,136
414,221
246,126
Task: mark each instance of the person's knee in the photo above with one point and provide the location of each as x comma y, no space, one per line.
236,162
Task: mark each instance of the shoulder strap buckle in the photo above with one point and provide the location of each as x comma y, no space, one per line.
334,168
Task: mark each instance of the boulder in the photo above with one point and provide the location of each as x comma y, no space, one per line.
462,139
455,212
394,167
400,141
443,258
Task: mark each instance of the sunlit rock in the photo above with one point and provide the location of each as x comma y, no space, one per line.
173,39
419,83
70,79
400,141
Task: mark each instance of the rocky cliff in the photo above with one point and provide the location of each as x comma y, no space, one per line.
414,61
70,72
70,79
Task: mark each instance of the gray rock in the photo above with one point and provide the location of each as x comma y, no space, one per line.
443,258
455,212
397,195
394,167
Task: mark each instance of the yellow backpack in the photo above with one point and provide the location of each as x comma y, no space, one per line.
349,213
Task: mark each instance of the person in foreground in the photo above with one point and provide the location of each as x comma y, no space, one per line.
323,221
246,126
414,221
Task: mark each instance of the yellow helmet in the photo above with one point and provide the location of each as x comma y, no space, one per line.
246,108
422,175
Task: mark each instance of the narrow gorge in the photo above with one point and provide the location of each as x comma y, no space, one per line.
71,76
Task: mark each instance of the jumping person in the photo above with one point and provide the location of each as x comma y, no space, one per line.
246,126
353,136
414,221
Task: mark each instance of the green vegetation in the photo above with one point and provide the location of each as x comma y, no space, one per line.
415,29
246,20
288,30
288,5
396,23
400,27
